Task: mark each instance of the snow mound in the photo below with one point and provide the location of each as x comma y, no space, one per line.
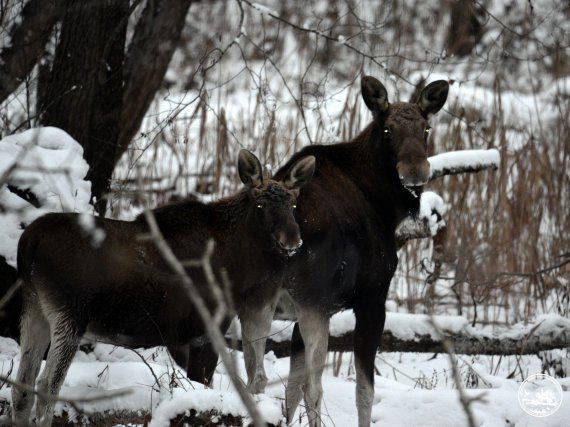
48,163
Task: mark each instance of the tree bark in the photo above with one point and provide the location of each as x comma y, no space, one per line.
96,92
465,29
83,93
156,36
27,42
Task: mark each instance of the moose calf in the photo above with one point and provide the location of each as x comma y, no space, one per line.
94,277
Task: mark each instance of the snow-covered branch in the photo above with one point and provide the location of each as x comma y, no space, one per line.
430,220
463,161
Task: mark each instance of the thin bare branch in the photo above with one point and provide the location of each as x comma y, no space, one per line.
212,328
73,402
28,39
465,400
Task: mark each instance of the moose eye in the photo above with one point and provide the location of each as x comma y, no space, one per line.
387,132
259,206
294,205
427,131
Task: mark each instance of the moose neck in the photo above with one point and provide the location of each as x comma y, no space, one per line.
190,224
222,219
374,162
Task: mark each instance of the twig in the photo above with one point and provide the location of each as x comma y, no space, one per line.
10,294
465,400
74,403
212,328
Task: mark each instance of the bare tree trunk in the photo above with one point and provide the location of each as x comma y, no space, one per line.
156,36
83,93
464,343
28,38
96,91
465,29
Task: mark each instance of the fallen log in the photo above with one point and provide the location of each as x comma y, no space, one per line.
414,333
140,417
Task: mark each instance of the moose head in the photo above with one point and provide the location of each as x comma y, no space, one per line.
273,203
404,126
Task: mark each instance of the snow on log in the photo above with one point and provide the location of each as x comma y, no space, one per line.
415,333
139,417
428,222
463,161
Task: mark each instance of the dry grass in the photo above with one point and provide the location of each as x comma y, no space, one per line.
506,229
507,242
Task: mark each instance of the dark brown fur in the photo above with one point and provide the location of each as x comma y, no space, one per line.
348,215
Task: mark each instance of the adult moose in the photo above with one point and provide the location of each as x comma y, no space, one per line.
96,277
348,215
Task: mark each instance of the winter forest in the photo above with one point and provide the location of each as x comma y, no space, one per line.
112,108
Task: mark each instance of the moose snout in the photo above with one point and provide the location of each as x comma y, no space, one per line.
289,241
413,174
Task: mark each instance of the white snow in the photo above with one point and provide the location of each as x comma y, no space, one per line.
406,326
264,9
49,163
88,226
412,387
431,204
464,158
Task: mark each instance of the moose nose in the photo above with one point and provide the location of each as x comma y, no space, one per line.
413,174
289,242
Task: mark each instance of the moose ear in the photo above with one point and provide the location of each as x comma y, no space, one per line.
298,174
374,94
249,169
433,97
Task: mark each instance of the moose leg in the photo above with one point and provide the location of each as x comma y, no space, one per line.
367,334
197,358
255,326
65,337
202,363
314,327
180,353
297,374
34,340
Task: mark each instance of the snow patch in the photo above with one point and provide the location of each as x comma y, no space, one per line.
89,227
432,209
48,163
409,326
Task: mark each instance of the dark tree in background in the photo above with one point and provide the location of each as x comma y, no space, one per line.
81,89
93,85
465,29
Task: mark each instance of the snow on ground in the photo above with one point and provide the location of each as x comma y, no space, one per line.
411,387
